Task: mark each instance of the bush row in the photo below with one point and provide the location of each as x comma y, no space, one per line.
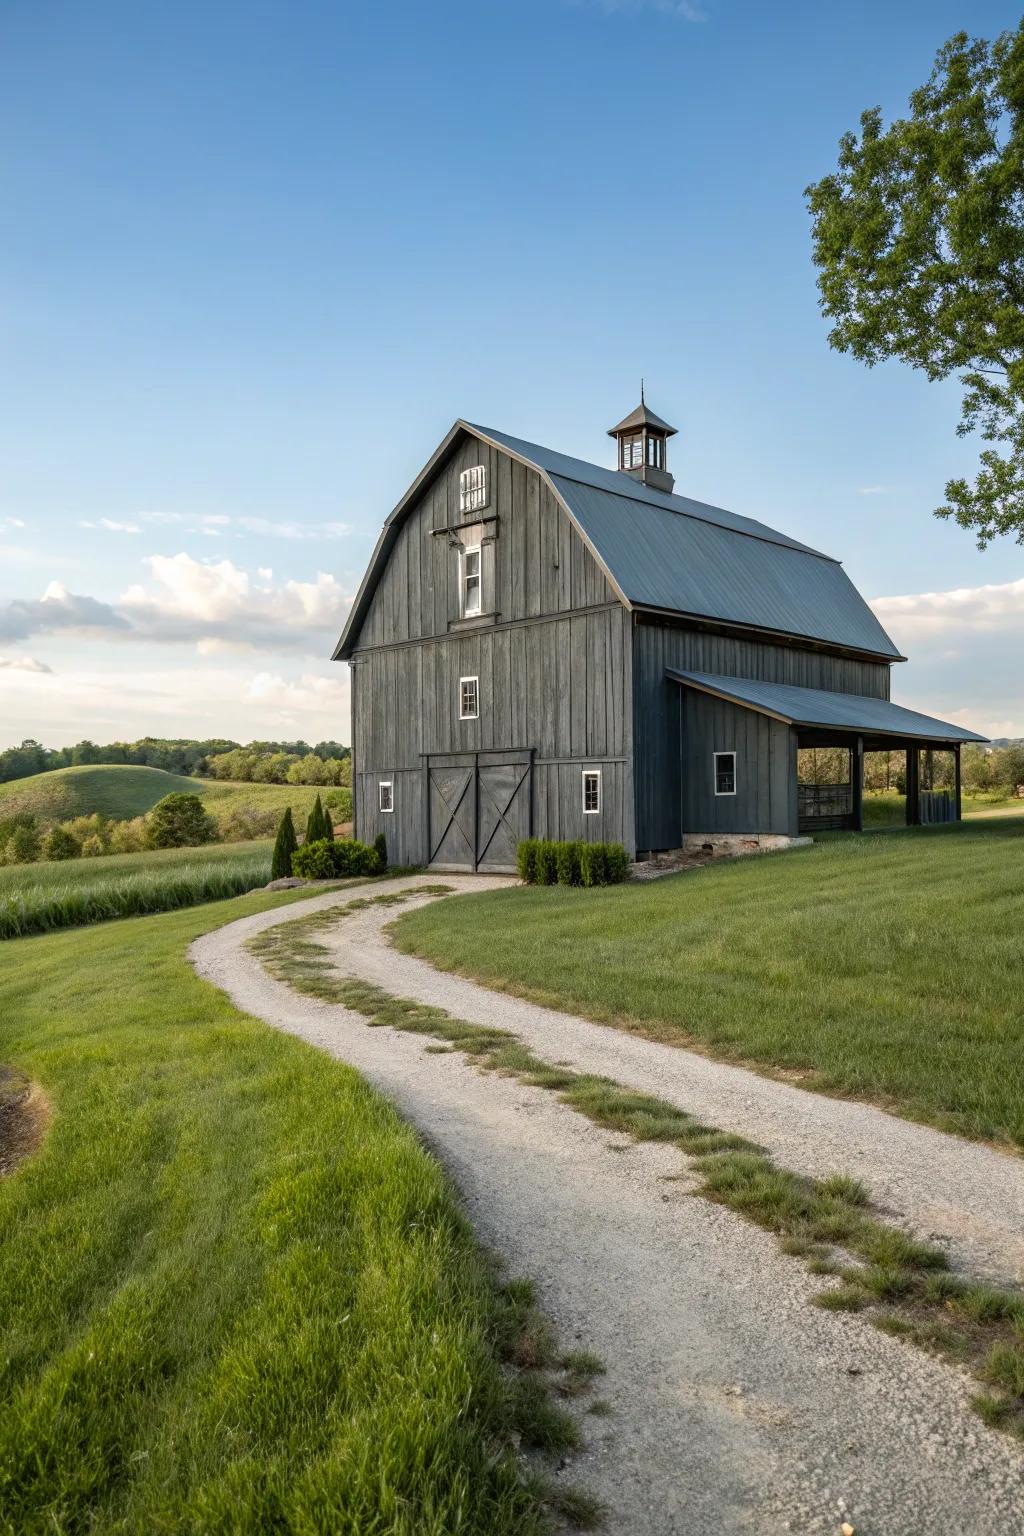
325,859
24,839
541,861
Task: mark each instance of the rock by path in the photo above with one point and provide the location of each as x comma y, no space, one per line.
738,1406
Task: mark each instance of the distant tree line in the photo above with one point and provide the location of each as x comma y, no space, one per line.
294,762
995,770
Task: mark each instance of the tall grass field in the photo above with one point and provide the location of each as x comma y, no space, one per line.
121,792
887,966
35,898
236,1293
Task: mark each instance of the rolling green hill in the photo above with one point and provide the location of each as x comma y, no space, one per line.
121,792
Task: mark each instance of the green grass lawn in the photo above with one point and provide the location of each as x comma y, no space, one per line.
37,897
121,792
884,967
236,1294
888,809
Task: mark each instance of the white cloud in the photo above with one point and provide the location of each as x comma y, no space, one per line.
211,524
964,646
12,522
182,700
57,609
111,525
24,664
873,490
997,606
188,601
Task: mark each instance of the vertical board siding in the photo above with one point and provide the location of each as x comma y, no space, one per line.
664,806
762,802
551,679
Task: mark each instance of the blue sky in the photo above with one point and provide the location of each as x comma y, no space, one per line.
256,257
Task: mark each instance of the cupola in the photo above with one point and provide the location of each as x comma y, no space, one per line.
643,440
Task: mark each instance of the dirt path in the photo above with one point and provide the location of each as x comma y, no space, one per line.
738,1406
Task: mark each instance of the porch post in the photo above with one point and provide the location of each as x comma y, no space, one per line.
913,787
857,783
956,782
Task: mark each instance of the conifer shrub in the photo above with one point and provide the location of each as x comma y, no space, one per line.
380,848
285,846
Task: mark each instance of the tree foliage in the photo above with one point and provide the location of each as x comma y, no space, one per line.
179,821
919,238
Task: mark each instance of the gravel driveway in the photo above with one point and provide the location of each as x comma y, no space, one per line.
738,1406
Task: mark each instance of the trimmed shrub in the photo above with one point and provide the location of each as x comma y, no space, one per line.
526,860
319,826
594,864
59,843
540,861
567,856
617,862
285,845
380,848
329,860
547,862
179,821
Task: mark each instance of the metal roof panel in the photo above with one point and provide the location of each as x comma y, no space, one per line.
817,707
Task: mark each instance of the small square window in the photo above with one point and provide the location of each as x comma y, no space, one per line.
591,791
725,773
471,581
469,698
387,796
473,489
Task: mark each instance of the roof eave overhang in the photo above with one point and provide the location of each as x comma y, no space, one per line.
686,681
736,626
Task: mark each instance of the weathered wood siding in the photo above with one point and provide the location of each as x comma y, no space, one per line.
663,806
552,655
766,786
534,560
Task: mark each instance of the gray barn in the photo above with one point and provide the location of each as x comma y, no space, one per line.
542,646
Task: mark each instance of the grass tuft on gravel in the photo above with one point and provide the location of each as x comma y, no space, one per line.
236,1293
827,1222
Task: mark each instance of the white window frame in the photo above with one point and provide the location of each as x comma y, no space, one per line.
477,609
591,773
724,793
389,785
473,489
463,714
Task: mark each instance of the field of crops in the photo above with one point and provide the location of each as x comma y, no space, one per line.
35,898
121,792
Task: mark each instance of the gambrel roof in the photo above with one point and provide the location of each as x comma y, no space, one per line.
672,555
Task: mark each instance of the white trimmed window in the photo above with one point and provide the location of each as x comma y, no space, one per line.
591,791
469,698
386,791
725,773
470,581
473,489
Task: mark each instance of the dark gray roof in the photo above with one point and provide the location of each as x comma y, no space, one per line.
671,554
831,711
643,416
682,556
